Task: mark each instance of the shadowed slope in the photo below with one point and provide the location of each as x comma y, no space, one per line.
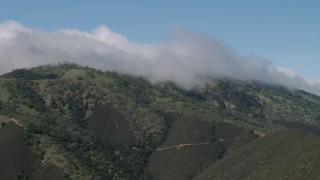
287,154
192,145
15,156
110,125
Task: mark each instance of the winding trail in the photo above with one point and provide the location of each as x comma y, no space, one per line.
184,145
15,121
179,146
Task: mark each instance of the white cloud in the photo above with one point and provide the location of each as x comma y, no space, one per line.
10,29
186,60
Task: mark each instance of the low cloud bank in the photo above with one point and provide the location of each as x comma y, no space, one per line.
187,60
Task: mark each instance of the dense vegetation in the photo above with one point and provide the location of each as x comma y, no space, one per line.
81,123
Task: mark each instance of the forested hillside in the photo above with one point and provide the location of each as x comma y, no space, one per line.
73,122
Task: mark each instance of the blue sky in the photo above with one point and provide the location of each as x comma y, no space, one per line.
284,32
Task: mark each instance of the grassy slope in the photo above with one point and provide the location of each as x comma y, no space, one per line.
4,94
204,145
110,125
180,163
287,154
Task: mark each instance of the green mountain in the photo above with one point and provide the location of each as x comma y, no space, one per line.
71,122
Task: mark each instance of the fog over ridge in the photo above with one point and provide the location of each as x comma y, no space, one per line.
185,60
